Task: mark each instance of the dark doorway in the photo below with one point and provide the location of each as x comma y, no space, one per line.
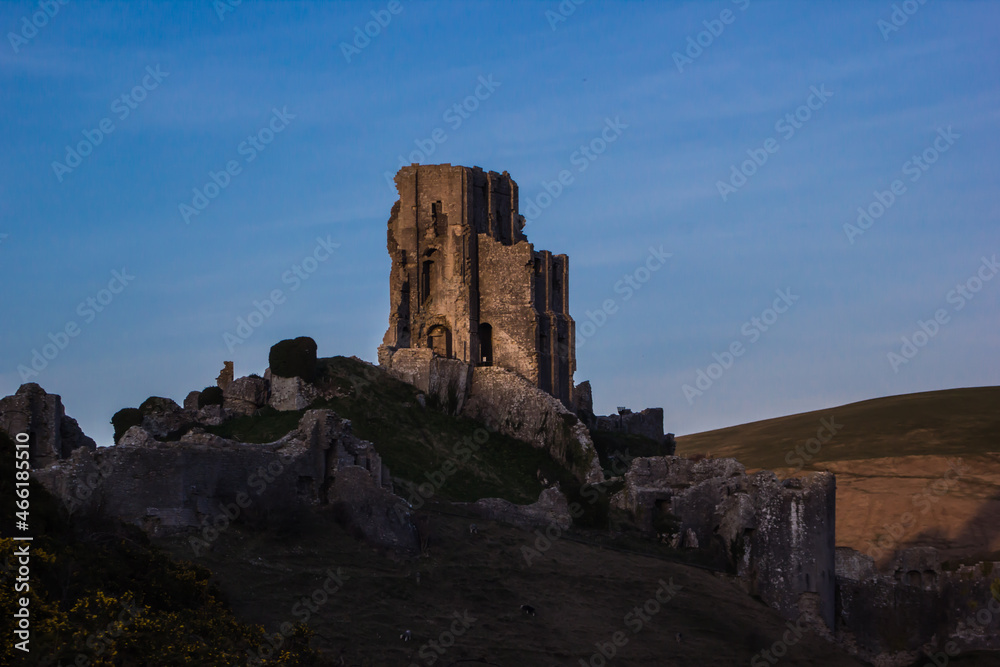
485,344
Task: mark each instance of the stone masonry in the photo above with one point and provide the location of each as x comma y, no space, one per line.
466,284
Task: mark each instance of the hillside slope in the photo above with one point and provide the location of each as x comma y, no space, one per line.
582,595
912,470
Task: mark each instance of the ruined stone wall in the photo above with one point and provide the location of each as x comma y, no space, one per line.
648,423
778,537
889,617
52,435
169,486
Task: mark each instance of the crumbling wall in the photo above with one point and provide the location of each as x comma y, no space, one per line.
778,537
53,436
914,606
170,486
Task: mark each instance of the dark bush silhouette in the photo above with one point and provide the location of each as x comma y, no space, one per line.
294,358
125,419
155,404
210,396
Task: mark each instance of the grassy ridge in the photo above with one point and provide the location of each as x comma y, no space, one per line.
951,422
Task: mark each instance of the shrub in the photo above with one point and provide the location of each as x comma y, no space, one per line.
294,358
125,419
155,404
210,396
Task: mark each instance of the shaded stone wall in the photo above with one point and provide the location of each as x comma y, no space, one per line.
205,480
466,284
52,435
648,423
890,617
778,537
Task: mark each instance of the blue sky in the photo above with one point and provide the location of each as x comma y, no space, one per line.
198,81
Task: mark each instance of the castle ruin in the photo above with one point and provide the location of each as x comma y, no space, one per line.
467,285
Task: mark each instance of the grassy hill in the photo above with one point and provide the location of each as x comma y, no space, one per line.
952,422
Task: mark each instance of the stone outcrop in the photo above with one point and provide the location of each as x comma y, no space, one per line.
246,395
551,509
508,403
165,487
291,393
778,537
53,435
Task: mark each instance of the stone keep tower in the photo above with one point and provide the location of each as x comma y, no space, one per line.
466,284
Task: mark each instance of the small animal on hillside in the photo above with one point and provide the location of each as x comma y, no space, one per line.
528,610
406,636
473,529
679,637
